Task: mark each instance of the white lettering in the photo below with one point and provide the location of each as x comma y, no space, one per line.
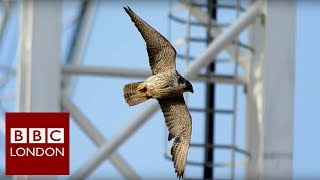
37,151
37,135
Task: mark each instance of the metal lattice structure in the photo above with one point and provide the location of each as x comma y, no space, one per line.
257,67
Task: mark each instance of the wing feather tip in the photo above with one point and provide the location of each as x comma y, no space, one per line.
180,175
127,9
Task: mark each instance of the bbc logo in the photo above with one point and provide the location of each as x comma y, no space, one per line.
37,144
36,135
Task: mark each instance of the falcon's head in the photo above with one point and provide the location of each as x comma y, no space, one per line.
188,86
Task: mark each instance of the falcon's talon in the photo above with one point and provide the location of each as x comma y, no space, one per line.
143,94
142,87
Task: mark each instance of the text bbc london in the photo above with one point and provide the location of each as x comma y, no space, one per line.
37,143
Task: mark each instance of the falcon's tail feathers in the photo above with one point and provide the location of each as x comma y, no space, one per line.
132,95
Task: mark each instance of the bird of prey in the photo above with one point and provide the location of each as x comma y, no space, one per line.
167,86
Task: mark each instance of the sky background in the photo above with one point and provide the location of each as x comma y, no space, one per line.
115,42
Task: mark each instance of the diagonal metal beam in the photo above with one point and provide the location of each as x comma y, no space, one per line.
80,39
94,134
6,6
203,17
202,61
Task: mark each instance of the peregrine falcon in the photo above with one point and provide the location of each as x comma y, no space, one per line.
167,86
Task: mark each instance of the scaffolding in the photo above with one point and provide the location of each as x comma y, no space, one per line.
257,68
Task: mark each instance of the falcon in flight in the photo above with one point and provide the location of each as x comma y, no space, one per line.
167,86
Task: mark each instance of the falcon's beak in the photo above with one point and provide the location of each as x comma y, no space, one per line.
189,87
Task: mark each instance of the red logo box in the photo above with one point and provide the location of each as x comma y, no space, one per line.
37,143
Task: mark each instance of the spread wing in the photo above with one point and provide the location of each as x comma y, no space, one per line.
161,53
178,121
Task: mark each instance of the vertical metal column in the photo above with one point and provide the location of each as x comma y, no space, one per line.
38,78
271,92
38,75
278,81
254,99
208,172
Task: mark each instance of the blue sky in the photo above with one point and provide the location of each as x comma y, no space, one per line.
307,88
115,41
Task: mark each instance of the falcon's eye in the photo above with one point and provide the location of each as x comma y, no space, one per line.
181,80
